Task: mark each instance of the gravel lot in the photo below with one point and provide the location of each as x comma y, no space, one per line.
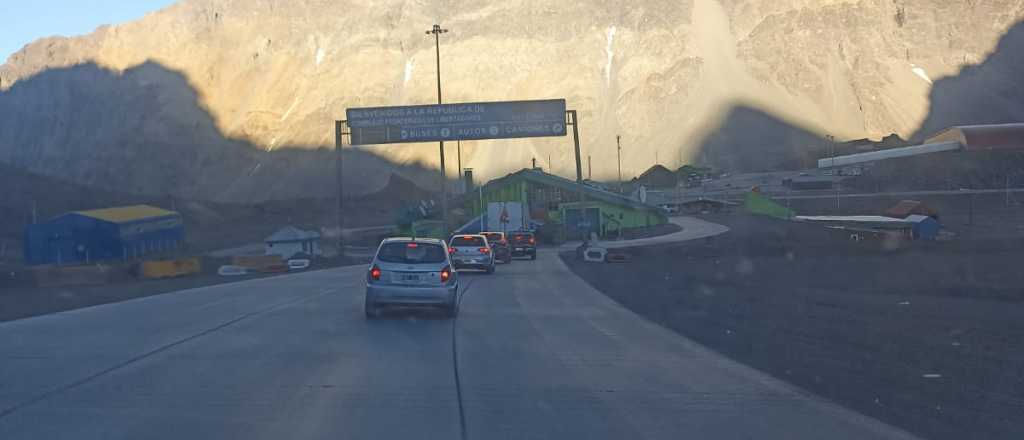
926,338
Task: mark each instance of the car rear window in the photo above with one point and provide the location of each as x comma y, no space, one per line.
467,241
411,253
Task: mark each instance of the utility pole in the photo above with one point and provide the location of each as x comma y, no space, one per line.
339,218
550,170
462,174
590,168
437,31
571,118
618,151
835,174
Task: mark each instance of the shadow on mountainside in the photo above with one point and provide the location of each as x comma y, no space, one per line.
750,140
209,225
988,93
145,131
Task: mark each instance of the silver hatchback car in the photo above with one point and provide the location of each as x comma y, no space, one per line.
472,251
412,272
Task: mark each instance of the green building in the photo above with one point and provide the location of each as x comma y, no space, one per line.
550,199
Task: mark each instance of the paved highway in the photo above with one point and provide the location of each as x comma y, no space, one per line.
539,354
691,228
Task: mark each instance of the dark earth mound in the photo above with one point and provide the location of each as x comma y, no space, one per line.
867,328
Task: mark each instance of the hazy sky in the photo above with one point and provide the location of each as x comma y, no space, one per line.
27,21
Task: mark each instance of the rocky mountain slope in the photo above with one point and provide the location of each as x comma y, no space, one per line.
234,99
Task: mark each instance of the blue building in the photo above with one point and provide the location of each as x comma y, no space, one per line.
123,233
924,227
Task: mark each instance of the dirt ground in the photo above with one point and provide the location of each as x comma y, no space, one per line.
22,299
927,338
208,226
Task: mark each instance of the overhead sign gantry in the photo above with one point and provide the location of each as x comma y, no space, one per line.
455,122
462,121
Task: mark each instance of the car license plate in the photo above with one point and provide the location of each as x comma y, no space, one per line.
520,249
409,278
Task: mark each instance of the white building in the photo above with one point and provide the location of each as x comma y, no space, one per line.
290,241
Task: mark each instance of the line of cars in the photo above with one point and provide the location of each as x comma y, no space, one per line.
423,272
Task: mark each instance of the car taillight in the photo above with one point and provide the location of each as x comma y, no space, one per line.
485,250
533,240
452,250
375,273
446,273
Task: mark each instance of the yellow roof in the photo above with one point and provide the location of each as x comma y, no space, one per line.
126,214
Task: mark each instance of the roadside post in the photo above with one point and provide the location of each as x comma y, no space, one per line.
437,30
571,119
339,131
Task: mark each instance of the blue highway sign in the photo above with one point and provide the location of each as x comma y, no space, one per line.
462,121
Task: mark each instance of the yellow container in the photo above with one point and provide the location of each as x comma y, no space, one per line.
170,268
258,262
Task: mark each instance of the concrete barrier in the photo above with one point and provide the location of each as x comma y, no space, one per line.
594,254
617,257
231,271
299,264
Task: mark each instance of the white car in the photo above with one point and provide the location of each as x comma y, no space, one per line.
471,252
411,272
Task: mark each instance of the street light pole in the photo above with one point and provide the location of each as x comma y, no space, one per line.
339,181
462,174
835,174
571,119
618,150
437,31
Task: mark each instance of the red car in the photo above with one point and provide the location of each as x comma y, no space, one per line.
499,244
523,244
